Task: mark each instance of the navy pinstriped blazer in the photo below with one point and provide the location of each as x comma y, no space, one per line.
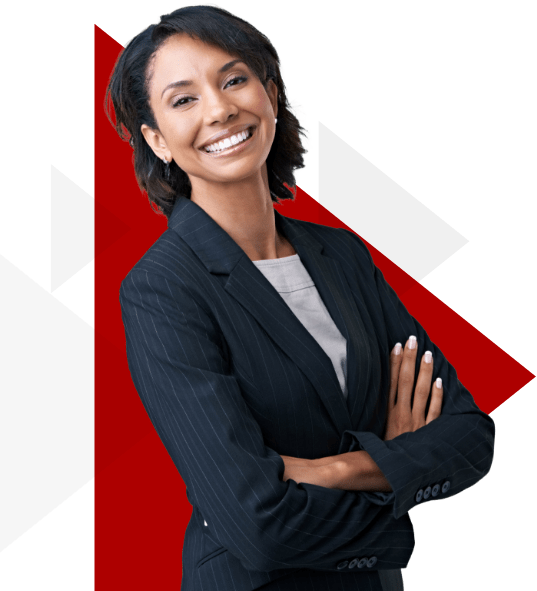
230,379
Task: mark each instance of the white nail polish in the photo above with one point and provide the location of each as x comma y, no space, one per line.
428,357
438,382
412,342
397,348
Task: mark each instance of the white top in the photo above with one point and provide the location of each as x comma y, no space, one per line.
292,281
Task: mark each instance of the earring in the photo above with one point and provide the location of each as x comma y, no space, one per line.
166,169
275,121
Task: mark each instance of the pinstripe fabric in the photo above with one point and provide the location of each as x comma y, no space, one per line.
230,379
290,279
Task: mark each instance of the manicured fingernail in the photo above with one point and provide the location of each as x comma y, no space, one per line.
412,342
428,357
397,348
438,382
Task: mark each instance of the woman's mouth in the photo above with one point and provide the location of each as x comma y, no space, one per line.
230,144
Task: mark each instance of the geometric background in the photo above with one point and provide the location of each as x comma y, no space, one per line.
439,102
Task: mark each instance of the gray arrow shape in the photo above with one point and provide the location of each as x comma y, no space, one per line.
46,403
72,235
394,222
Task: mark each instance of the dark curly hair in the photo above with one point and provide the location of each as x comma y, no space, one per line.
128,92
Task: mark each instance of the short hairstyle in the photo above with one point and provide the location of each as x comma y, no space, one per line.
128,92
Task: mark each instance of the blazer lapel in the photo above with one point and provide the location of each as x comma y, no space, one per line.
337,296
222,255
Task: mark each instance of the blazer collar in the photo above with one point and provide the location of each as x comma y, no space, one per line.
213,245
222,255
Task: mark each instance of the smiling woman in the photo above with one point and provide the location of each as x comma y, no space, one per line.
267,351
159,86
202,98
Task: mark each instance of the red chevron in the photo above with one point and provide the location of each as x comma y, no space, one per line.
141,510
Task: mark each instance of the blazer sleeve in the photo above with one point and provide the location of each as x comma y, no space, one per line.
449,454
177,358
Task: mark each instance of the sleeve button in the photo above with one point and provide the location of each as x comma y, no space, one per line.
446,486
353,563
342,564
362,562
372,561
426,493
419,495
436,490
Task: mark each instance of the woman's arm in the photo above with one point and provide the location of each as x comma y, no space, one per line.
449,454
437,460
407,411
354,470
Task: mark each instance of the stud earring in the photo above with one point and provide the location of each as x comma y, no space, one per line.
275,121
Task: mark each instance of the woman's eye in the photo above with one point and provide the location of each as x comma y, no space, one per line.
236,80
182,101
186,99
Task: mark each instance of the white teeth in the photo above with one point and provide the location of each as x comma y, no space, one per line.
228,142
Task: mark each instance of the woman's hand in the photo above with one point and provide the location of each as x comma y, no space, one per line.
356,470
405,414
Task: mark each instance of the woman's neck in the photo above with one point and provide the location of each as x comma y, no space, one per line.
244,210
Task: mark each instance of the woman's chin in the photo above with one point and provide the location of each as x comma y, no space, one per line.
236,170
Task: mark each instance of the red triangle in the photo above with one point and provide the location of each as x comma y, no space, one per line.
141,509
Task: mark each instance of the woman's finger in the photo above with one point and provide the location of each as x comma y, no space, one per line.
435,408
405,385
396,357
422,390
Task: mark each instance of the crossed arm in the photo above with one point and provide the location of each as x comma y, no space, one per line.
356,470
177,363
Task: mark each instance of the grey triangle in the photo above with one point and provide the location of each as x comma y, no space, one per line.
391,219
72,232
47,410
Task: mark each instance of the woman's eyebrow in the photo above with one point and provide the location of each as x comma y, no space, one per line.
226,67
181,83
177,84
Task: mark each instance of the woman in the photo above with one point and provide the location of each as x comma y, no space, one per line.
301,468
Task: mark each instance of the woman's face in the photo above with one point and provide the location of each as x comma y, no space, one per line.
201,95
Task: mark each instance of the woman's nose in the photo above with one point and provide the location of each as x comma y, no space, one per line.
218,108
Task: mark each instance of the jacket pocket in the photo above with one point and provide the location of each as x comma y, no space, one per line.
210,556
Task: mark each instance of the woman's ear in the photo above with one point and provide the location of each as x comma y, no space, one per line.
272,92
156,142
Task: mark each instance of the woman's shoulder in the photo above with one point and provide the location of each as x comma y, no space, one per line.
168,257
335,240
